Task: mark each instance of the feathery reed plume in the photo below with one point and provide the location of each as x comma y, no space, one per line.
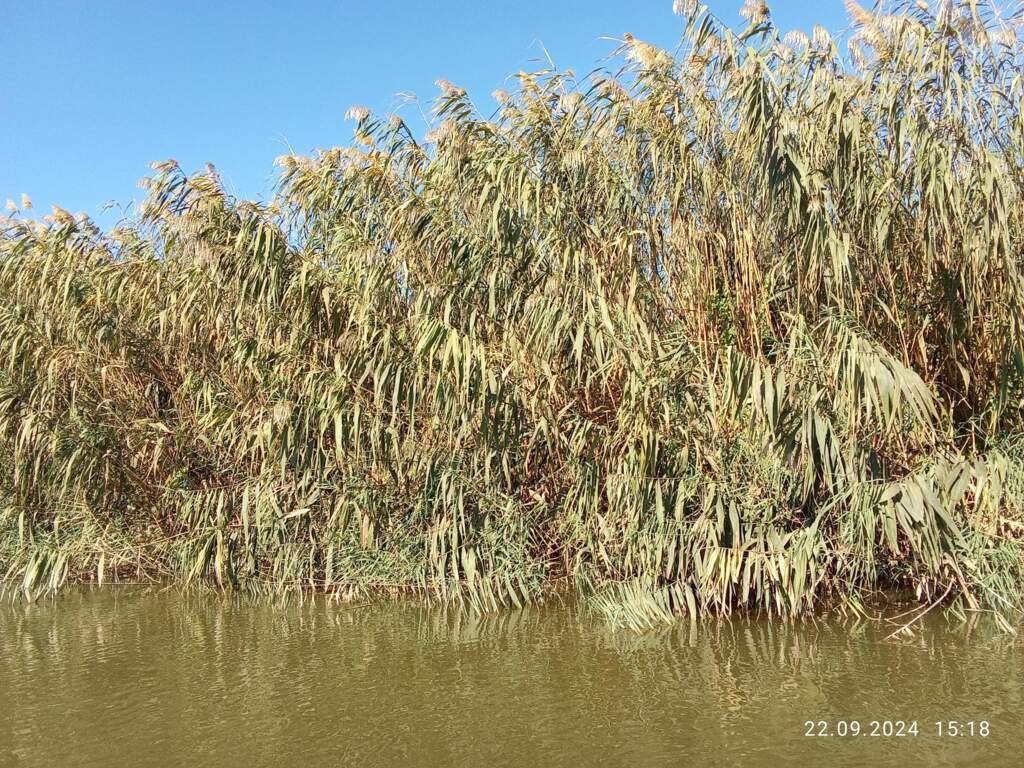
684,7
357,113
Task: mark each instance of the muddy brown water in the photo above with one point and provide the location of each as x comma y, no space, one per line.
130,677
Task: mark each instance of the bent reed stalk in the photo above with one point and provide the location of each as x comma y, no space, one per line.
734,327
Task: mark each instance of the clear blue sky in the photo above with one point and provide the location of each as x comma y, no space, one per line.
93,91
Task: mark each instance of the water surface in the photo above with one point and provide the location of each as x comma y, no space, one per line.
116,677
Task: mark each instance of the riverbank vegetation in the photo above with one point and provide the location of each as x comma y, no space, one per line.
737,326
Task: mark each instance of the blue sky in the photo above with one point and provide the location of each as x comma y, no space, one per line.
93,91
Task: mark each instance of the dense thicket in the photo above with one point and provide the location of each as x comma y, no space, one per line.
737,327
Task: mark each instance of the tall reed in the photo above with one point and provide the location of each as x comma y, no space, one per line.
737,326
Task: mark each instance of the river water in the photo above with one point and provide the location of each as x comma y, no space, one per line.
128,677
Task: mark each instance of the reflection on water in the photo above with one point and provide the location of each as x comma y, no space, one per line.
136,678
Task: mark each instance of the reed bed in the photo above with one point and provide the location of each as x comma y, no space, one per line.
736,326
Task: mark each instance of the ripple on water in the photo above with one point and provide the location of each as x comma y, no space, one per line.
157,678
